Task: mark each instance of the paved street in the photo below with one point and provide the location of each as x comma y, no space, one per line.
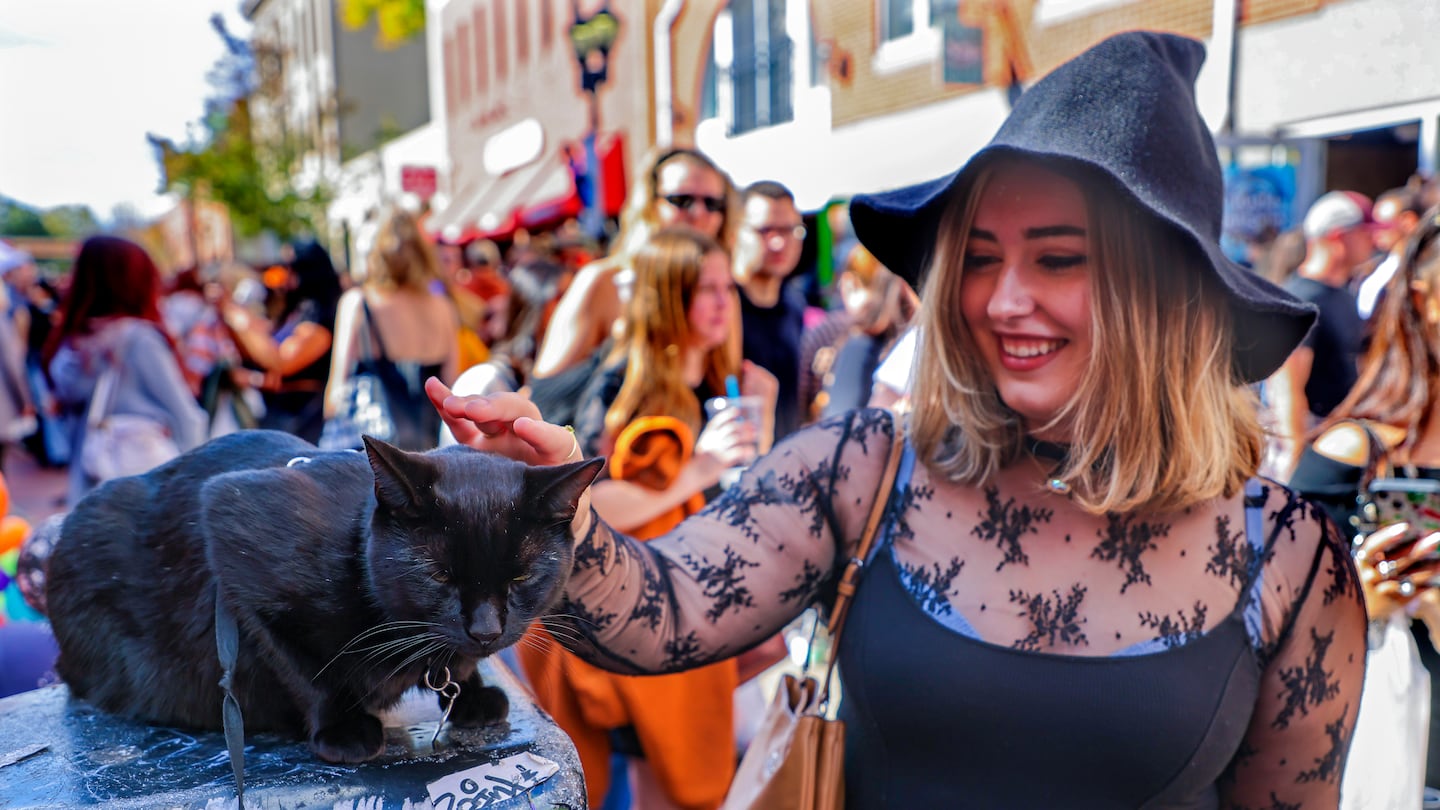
35,492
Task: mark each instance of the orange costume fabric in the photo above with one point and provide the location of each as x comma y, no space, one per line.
685,721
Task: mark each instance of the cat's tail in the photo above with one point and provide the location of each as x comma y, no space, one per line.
34,562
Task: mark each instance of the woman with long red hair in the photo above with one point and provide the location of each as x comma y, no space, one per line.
110,318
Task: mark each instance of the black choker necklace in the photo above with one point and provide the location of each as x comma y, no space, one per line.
1050,451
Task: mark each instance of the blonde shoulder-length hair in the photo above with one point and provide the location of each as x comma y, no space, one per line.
657,320
401,257
1161,420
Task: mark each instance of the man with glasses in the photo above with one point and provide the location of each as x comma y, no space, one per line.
772,313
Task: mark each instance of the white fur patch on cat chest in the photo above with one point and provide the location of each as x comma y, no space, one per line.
491,783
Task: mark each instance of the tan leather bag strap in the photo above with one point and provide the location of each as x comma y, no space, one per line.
850,578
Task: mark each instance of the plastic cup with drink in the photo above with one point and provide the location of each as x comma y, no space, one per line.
750,412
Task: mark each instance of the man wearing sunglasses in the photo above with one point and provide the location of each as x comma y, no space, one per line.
772,313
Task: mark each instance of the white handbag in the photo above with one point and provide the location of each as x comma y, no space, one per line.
1386,768
117,444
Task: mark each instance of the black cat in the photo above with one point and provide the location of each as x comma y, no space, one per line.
352,577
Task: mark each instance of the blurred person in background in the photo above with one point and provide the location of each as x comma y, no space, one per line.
1397,213
1391,418
34,301
195,325
17,408
1318,374
292,355
644,410
208,357
678,187
772,311
1282,257
471,307
398,311
18,413
880,307
110,317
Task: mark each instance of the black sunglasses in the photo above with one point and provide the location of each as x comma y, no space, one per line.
714,205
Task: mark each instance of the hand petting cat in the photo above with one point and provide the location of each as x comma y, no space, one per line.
509,424
505,423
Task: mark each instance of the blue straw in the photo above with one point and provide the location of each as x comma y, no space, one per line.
732,387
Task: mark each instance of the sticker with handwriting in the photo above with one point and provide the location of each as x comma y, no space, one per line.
492,783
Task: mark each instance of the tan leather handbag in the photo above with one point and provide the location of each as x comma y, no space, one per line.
797,758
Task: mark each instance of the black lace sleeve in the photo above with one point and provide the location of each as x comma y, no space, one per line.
734,574
1314,655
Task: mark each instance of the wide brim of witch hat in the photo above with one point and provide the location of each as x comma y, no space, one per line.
1123,111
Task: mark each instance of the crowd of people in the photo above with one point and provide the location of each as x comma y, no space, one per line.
1093,398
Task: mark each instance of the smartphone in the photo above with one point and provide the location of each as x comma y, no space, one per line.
1415,501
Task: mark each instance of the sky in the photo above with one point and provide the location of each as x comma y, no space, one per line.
83,81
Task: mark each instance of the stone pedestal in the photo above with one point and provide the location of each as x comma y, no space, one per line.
59,752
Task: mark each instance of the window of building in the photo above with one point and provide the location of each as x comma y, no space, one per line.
448,52
462,62
750,78
522,33
903,43
502,42
482,56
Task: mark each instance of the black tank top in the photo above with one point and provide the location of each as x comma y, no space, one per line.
1152,730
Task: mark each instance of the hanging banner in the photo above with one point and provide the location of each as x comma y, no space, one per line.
1258,200
964,53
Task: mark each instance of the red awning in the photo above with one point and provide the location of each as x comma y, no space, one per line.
549,209
540,194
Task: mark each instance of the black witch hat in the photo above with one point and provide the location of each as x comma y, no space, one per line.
1125,109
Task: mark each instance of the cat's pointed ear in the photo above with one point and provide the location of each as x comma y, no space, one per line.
554,491
399,480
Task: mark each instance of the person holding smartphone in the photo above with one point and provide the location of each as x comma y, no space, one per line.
1389,426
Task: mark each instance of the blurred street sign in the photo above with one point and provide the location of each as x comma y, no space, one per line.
418,180
592,38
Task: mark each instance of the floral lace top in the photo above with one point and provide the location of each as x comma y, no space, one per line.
1010,563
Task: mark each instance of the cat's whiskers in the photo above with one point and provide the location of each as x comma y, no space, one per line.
563,633
561,621
353,646
423,652
398,646
540,644
571,617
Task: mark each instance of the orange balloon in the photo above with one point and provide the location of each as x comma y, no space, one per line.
13,531
4,497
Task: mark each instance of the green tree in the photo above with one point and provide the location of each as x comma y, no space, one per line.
255,181
18,219
70,221
397,21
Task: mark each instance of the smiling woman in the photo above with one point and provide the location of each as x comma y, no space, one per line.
1081,594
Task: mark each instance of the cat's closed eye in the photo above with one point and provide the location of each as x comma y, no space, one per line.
521,578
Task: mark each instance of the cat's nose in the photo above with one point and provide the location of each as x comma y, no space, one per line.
485,624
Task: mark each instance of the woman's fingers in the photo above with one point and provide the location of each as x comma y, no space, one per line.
506,423
461,428
549,444
1381,540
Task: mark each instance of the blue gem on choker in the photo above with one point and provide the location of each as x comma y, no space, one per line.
1050,451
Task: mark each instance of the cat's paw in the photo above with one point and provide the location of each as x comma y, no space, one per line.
479,705
349,739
